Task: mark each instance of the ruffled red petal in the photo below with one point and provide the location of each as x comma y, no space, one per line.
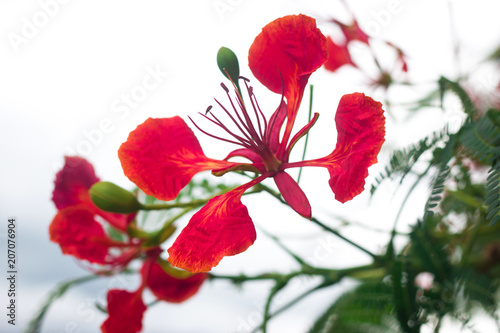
73,181
77,233
338,56
361,129
162,155
170,288
291,46
221,228
125,310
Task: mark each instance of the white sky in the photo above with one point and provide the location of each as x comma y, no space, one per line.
65,80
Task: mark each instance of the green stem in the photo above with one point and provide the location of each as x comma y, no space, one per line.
193,204
336,233
291,303
284,248
325,227
277,287
311,88
34,326
405,200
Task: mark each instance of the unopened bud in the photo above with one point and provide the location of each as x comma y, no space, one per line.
228,64
112,198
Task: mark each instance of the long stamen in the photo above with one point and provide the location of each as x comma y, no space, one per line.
251,94
242,122
217,137
217,122
249,125
249,138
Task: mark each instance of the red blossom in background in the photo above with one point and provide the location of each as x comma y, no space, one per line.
338,56
162,155
79,234
75,227
126,309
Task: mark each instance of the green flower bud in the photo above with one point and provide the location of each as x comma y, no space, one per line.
228,64
112,198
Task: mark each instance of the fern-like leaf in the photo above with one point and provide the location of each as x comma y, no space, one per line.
437,190
482,140
402,161
428,252
367,308
492,199
467,104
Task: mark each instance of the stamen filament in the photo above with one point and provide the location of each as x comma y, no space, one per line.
249,138
217,137
217,122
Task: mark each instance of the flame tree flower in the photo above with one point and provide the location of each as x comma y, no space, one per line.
162,155
78,232
75,227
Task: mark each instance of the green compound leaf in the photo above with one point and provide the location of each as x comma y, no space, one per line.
367,308
467,104
481,139
404,293
429,252
493,194
402,161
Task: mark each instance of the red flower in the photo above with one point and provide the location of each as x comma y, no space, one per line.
126,309
353,32
75,227
338,56
162,155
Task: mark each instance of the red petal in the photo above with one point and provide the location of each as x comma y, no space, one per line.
173,289
293,194
162,155
292,46
353,32
250,155
338,56
221,228
73,181
125,310
300,134
72,188
361,128
275,123
76,232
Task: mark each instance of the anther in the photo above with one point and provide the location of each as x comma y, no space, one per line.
208,109
224,87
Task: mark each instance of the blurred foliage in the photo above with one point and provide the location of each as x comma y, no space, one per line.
456,242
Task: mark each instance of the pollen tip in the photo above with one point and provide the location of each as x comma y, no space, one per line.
224,87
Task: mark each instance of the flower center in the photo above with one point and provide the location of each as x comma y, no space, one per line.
250,129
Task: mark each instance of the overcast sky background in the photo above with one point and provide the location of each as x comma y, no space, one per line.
64,81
